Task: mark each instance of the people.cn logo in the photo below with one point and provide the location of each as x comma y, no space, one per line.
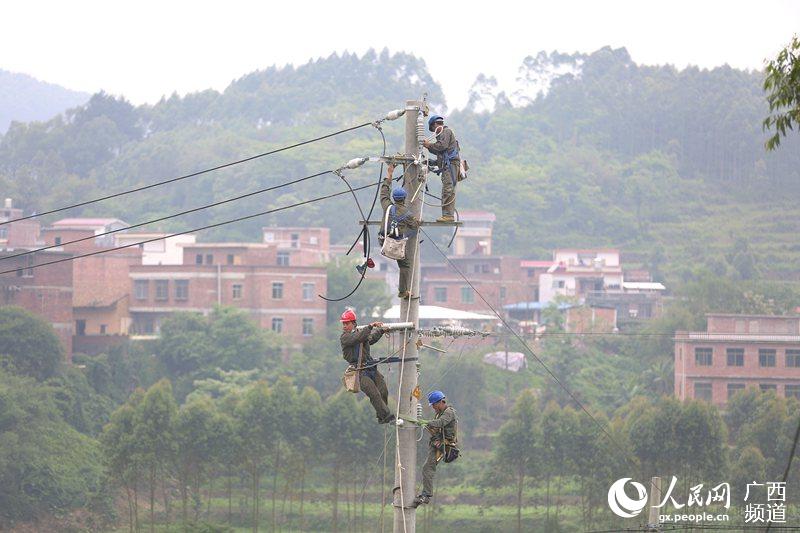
621,504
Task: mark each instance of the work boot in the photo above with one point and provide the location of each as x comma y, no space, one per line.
388,420
423,499
403,295
446,218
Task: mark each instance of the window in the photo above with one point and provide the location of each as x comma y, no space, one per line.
181,289
295,240
308,292
162,289
735,356
485,269
792,390
702,391
269,237
3,233
733,388
766,387
103,328
230,259
558,283
703,356
308,327
277,290
440,294
766,357
209,259
141,288
198,259
237,291
27,271
58,241
80,328
277,325
502,293
476,269
467,296
283,259
793,358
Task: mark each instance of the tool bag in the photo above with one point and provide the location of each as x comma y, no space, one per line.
463,169
393,247
351,379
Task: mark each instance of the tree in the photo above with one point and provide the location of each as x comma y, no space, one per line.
782,84
46,467
154,435
28,344
256,428
121,452
519,446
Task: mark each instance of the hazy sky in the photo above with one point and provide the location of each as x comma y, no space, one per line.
145,49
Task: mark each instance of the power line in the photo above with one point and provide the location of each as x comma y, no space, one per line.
167,217
193,174
538,359
223,223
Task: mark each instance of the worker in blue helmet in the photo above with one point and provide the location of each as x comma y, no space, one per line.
398,225
443,444
448,159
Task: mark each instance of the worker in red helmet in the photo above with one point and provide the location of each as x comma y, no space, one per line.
355,350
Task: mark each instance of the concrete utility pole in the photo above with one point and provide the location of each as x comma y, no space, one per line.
406,460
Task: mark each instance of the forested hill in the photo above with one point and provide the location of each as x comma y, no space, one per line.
655,160
23,98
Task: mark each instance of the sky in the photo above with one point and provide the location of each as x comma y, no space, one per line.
145,49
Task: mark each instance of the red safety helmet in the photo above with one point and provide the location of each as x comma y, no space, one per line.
348,316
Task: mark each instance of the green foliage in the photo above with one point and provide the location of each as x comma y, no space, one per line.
28,344
45,465
80,405
782,84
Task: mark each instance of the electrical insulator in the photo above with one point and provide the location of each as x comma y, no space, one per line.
419,410
355,163
394,115
420,128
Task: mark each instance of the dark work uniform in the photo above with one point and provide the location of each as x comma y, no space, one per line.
444,423
448,158
407,225
372,382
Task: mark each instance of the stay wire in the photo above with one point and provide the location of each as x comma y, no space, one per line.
201,228
538,359
167,217
191,175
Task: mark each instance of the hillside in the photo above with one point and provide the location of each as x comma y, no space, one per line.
24,99
665,163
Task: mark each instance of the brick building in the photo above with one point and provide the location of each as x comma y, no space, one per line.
45,291
278,291
738,351
500,279
100,282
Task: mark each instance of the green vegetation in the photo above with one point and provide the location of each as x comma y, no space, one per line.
219,426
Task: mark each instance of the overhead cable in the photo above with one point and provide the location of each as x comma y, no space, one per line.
193,174
209,226
167,217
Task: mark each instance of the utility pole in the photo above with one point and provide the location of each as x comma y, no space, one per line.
406,458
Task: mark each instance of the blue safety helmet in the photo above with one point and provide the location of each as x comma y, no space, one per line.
435,396
398,194
433,120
